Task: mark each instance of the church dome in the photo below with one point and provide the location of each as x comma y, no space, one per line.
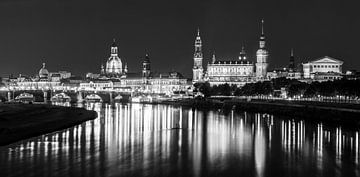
114,65
43,72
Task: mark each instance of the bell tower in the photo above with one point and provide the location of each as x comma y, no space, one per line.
198,58
262,56
146,67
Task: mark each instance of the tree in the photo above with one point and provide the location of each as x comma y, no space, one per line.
203,87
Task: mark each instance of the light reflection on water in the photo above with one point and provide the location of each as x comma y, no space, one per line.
161,140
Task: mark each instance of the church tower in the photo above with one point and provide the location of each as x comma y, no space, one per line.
242,56
198,58
146,67
292,61
261,56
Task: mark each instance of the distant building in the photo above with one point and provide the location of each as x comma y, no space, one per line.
237,72
323,69
44,81
290,72
352,75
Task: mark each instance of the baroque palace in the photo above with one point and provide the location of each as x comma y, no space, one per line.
237,72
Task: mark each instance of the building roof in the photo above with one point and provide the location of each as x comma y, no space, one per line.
327,59
232,62
167,75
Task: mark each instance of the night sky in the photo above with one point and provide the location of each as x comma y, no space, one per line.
76,35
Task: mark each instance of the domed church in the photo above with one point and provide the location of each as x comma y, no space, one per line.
43,73
114,64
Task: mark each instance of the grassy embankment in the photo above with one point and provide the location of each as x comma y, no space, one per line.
21,121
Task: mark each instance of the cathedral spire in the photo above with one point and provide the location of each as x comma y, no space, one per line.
198,45
146,70
292,61
262,36
262,26
198,59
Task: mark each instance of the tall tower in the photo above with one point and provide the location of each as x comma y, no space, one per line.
198,58
292,61
261,56
146,67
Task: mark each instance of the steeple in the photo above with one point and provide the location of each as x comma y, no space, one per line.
198,58
146,66
102,70
262,36
292,61
213,60
262,27
242,56
261,56
198,45
125,68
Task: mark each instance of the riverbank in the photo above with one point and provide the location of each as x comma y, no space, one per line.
20,121
335,113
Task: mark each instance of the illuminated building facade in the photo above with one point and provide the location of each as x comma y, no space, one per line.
44,81
323,69
234,72
144,81
237,72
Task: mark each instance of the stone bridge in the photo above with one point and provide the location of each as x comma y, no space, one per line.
76,96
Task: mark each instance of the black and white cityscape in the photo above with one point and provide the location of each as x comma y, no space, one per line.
183,88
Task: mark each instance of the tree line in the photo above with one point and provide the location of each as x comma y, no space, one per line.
293,87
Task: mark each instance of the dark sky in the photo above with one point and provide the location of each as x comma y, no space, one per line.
76,35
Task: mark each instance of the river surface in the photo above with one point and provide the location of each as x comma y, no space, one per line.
162,140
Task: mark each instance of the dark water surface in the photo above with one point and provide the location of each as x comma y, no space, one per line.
161,140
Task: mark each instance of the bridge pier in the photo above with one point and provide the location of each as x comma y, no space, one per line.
8,96
45,96
111,97
79,97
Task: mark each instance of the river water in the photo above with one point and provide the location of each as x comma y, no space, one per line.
163,140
